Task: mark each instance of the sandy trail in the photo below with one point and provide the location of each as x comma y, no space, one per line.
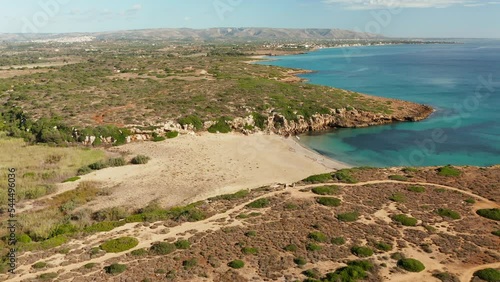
147,236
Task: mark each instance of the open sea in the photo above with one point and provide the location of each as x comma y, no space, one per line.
461,81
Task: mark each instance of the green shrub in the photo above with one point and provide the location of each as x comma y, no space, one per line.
313,247
236,264
329,202
405,220
119,245
172,134
249,251
470,201
411,265
182,244
140,159
493,214
488,274
416,189
115,268
410,169
23,238
114,162
300,261
361,251
260,120
72,179
446,277
158,139
39,265
449,171
319,178
259,204
397,197
162,248
139,252
221,126
190,263
363,264
383,246
398,177
354,271
496,232
291,248
448,213
348,216
238,195
326,190
317,236
98,165
338,241
48,276
84,170
90,265
312,273
344,175
53,242
104,226
193,120
251,233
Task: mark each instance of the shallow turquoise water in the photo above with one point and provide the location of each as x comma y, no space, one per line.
462,82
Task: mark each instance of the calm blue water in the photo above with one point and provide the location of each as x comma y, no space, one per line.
462,82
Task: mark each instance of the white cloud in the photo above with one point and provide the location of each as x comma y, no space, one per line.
384,4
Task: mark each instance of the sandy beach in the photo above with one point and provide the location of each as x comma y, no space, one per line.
195,167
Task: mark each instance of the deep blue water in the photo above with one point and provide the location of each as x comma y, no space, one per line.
462,82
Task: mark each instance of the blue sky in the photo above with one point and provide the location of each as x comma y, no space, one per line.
398,18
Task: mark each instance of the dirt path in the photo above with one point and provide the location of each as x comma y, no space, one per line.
148,236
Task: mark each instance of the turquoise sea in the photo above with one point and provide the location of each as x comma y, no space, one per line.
461,81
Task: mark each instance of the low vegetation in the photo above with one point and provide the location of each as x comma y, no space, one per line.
411,265
348,216
259,204
416,189
488,274
318,237
338,241
119,245
115,268
140,159
448,213
326,190
405,220
449,171
362,251
493,214
320,178
345,175
162,248
383,246
329,202
236,264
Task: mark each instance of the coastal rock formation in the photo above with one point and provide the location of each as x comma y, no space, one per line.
343,118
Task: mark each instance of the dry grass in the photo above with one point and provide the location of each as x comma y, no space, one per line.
39,167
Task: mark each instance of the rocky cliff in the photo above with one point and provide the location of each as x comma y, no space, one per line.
343,118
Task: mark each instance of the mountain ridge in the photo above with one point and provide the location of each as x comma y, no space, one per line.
210,34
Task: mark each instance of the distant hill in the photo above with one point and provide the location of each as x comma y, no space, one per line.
212,34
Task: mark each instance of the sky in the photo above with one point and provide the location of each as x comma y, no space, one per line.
393,18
